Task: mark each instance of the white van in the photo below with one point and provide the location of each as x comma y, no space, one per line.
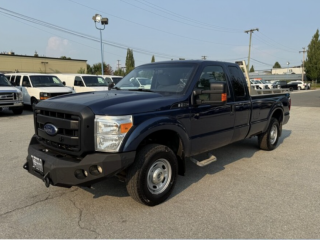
112,78
36,86
84,82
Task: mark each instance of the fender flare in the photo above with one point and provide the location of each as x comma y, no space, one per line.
140,132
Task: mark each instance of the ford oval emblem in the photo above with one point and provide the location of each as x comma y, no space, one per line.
50,129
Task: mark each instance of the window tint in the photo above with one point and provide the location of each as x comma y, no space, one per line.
26,82
238,83
78,81
17,81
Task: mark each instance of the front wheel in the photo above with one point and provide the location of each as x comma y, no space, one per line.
34,103
17,111
269,139
151,178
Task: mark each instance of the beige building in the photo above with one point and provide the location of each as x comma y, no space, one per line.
292,70
30,64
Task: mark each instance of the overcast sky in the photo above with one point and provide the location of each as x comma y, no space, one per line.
167,29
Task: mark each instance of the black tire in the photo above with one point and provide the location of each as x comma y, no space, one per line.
151,178
34,102
17,111
269,139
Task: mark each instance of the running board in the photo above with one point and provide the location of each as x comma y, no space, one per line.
204,162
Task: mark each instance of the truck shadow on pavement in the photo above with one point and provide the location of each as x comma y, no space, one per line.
226,155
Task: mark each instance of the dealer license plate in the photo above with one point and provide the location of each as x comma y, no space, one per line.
37,164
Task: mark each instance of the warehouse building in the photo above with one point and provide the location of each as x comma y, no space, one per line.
9,62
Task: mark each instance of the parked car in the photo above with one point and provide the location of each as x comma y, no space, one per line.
36,87
301,84
84,82
284,84
145,136
112,78
10,97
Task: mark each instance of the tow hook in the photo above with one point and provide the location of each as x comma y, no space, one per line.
25,166
46,180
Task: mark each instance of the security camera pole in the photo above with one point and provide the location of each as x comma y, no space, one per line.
251,31
104,21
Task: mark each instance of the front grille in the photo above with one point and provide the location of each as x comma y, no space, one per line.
67,137
6,96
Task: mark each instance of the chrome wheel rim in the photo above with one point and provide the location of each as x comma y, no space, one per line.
159,176
273,134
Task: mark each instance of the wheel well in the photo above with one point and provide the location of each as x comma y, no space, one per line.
170,139
278,115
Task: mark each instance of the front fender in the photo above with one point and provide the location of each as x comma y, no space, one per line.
152,125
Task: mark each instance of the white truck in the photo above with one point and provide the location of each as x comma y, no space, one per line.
36,87
10,97
84,82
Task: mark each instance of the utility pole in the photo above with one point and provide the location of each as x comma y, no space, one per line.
251,31
203,57
118,64
303,62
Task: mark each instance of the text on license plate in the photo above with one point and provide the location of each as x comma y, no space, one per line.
37,163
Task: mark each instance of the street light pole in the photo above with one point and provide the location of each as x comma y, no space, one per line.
104,21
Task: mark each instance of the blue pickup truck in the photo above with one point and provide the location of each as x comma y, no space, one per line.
143,134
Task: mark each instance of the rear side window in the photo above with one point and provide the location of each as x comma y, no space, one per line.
238,83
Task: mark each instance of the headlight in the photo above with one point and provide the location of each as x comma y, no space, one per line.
44,96
19,96
110,131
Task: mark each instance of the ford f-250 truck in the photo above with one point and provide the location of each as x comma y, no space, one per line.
144,135
10,97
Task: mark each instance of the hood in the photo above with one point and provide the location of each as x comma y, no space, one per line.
54,89
9,89
114,102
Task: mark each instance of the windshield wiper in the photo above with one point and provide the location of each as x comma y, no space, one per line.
140,89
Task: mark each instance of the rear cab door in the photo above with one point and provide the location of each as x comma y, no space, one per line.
241,105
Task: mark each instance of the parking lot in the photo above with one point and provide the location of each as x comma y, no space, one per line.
247,193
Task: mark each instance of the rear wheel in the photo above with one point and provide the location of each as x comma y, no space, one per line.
269,139
151,178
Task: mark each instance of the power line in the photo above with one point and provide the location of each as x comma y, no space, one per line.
197,26
174,34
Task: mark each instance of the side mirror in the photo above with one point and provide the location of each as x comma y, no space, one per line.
216,96
64,83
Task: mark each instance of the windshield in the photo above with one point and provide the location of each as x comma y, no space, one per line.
46,81
4,81
158,78
94,81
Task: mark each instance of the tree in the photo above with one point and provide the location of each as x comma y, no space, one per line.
312,63
81,71
36,54
119,72
64,57
276,65
152,59
96,69
89,69
129,61
251,69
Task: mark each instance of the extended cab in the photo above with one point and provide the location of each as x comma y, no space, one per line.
10,97
144,136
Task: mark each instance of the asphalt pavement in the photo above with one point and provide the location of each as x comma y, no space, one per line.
246,193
